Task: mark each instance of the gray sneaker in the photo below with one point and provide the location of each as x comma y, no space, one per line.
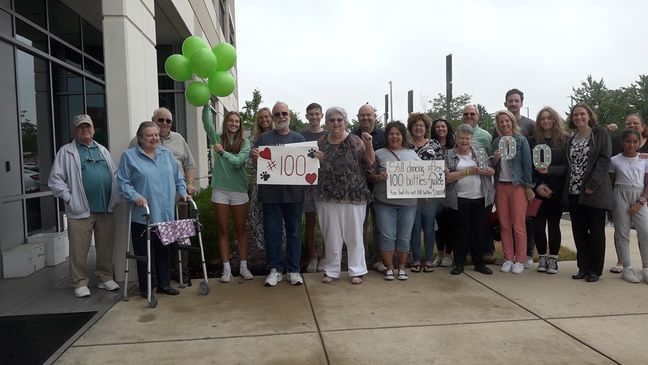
542,264
295,278
273,278
529,262
552,266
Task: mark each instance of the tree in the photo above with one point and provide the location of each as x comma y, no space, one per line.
250,109
457,104
612,105
486,120
296,123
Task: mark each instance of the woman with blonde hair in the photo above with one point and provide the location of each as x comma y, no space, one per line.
513,190
229,186
549,183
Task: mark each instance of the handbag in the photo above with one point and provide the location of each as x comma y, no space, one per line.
533,207
176,231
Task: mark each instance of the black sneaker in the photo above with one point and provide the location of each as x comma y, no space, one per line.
484,270
552,267
542,264
457,270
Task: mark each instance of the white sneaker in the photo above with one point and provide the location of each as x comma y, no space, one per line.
295,278
402,275
312,265
628,274
273,278
446,261
320,264
507,266
246,274
379,266
109,285
436,262
226,277
529,262
518,268
644,274
82,292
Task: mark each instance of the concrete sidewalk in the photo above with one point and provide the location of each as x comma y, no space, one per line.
437,318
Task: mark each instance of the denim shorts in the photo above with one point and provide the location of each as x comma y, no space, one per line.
395,226
229,197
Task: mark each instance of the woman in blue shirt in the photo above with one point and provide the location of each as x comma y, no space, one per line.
148,175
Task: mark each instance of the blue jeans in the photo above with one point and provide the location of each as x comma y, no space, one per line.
275,216
395,226
426,212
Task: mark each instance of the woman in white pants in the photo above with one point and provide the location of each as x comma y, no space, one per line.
629,174
342,195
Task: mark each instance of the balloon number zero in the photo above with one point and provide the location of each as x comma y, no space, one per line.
290,165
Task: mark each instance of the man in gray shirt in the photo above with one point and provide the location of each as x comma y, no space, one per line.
513,103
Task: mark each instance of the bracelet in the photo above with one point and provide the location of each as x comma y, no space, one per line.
642,200
466,172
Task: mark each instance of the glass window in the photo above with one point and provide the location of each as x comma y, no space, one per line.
66,54
31,36
68,102
92,41
96,109
93,67
32,74
41,214
5,4
64,23
34,10
5,24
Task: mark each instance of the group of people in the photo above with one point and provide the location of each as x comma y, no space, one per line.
483,172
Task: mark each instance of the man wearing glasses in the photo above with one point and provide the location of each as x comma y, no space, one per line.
83,176
282,206
480,136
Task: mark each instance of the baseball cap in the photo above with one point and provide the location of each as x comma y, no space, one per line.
80,119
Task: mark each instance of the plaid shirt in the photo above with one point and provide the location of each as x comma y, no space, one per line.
452,159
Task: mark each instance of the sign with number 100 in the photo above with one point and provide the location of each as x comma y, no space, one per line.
287,165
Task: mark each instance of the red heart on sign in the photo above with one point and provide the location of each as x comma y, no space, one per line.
310,178
266,154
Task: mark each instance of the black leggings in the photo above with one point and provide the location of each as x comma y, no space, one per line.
548,217
588,227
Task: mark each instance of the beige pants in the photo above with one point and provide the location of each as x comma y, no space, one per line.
80,234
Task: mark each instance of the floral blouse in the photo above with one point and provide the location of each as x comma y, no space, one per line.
342,172
431,150
578,155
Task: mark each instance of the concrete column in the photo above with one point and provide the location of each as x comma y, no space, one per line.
131,86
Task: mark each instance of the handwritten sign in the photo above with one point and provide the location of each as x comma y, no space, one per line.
415,179
287,165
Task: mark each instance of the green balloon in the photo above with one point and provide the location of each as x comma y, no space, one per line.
203,62
177,67
197,93
192,44
221,83
226,55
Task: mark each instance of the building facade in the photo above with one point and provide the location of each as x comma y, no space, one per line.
60,58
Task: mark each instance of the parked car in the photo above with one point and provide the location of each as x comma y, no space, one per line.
31,179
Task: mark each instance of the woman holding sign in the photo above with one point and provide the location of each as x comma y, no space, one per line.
588,190
513,187
395,217
342,195
229,186
549,178
418,125
469,190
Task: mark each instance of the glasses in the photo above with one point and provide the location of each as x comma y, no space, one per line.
280,114
469,114
163,120
338,120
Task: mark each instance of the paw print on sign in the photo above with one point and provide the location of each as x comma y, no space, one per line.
265,176
311,153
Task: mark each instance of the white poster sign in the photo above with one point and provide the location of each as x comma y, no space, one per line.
287,165
415,179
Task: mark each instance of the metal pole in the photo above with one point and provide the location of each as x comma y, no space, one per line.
448,86
391,102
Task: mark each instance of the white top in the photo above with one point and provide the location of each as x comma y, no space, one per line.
629,171
468,187
505,170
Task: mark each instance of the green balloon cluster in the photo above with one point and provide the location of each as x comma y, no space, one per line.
211,64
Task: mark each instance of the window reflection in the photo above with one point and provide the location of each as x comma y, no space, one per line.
30,35
96,106
65,23
66,54
92,41
41,214
35,122
34,10
68,102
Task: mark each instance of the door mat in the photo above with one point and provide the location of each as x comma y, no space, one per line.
32,339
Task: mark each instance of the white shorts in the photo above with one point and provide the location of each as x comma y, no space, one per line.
229,197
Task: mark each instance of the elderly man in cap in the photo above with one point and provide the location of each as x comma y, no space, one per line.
83,176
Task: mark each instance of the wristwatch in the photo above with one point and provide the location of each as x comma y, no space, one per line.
642,200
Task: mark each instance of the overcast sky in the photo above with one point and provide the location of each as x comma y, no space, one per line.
345,52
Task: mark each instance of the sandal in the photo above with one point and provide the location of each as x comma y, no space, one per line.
356,280
327,279
428,268
616,269
415,268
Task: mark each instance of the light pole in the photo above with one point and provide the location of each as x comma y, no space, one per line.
391,102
